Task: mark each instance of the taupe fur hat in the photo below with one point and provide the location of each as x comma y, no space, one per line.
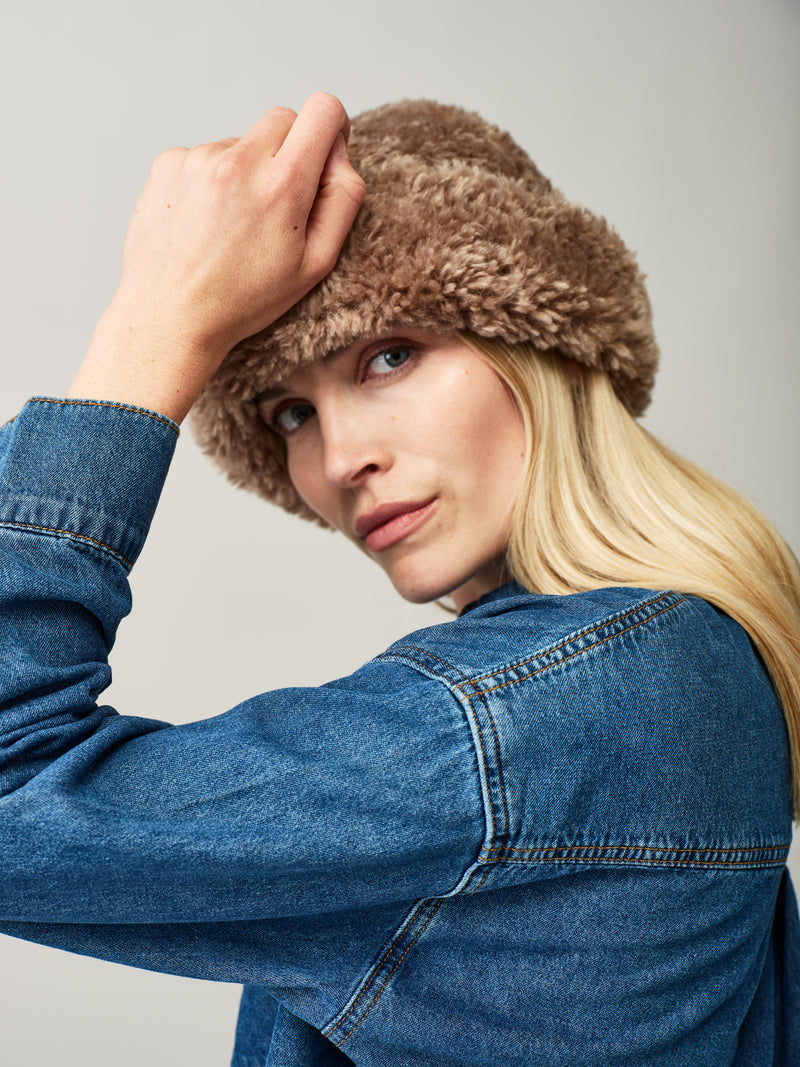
458,231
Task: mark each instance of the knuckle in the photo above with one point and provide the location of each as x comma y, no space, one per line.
169,159
330,103
281,112
231,161
210,148
349,187
202,156
322,261
357,187
225,168
287,177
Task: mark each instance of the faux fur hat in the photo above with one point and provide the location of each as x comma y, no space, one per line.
458,231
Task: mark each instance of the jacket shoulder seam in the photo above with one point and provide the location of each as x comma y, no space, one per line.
563,644
495,834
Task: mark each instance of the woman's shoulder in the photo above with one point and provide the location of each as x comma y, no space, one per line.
601,651
632,714
510,627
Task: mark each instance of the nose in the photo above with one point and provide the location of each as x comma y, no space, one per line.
354,441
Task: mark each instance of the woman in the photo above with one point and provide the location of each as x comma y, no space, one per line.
550,831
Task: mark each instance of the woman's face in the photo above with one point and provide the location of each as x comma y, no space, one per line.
412,446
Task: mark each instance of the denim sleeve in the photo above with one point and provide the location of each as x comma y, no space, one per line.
161,845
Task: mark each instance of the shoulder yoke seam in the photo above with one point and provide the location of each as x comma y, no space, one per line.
466,682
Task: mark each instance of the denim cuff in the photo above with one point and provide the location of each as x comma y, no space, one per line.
87,470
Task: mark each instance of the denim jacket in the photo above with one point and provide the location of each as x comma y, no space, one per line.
552,831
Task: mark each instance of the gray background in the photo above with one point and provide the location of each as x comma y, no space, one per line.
677,121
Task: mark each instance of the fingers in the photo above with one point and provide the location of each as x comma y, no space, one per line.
313,134
290,149
310,136
340,194
215,147
327,190
228,142
260,144
299,162
269,133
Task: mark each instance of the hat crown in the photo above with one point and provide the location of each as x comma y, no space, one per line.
435,134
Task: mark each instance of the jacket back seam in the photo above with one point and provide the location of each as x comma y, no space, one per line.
754,857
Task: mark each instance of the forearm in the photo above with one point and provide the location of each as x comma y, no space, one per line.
78,488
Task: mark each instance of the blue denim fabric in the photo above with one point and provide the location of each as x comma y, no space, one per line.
552,831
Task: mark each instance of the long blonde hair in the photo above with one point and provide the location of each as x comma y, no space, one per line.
603,503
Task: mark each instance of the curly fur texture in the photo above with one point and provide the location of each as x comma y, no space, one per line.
458,231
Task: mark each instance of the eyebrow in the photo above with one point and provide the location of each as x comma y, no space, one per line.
276,391
269,394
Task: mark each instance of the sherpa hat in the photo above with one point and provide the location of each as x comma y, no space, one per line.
458,231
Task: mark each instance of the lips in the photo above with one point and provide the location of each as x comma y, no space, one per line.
390,523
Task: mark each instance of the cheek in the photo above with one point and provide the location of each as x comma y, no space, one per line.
490,440
307,478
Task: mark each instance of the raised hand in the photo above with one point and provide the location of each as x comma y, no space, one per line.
224,239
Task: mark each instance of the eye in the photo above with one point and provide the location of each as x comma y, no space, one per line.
290,418
388,359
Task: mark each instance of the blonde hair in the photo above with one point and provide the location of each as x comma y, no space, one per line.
603,503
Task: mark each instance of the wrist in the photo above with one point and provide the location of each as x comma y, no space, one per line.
136,360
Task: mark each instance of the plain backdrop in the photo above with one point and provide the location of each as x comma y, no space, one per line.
679,122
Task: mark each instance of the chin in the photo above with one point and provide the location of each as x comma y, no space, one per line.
417,589
423,589
419,594
423,584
